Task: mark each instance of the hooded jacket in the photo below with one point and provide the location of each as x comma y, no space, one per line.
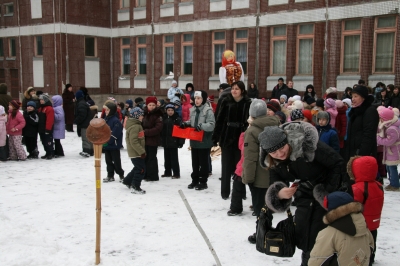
186,108
346,240
135,142
82,113
168,141
328,135
389,138
152,124
115,141
59,118
17,122
46,117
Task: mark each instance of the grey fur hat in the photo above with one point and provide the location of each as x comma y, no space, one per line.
272,139
323,114
257,108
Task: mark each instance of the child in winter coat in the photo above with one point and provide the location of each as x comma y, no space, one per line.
330,107
112,147
15,124
201,118
30,131
46,124
186,107
170,143
174,95
3,135
368,191
135,144
326,133
59,125
346,240
389,137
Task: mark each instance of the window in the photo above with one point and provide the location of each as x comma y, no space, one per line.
1,48
218,49
9,9
125,3
141,53
385,36
241,48
12,48
351,41
38,46
187,48
168,54
278,50
90,46
140,3
305,40
126,56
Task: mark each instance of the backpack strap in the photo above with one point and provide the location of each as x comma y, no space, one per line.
365,192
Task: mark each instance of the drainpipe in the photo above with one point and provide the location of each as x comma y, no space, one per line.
20,53
61,51
325,54
152,48
257,41
55,49
111,48
66,44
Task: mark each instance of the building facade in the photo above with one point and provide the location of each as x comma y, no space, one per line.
129,47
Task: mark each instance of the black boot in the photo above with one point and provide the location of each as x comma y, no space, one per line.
192,185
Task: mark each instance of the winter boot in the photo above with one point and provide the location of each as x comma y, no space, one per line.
233,213
108,179
192,185
137,190
201,186
121,178
252,238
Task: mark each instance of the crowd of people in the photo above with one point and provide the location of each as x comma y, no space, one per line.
337,147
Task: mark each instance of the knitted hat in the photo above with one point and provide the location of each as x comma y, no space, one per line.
31,103
339,104
284,97
296,98
323,114
347,101
273,106
320,103
337,199
151,99
296,114
2,110
272,139
16,104
44,97
307,114
361,90
111,106
386,114
257,108
297,104
138,100
310,100
178,103
174,82
136,113
79,94
281,116
330,103
201,94
290,99
129,102
170,106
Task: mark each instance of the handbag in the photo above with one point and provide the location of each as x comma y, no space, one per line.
279,241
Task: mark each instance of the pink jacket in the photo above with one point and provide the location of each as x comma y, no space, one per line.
391,144
186,108
333,113
18,122
239,165
3,130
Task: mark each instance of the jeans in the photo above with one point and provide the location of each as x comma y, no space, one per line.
393,175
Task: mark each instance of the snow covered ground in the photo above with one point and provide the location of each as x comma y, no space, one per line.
47,217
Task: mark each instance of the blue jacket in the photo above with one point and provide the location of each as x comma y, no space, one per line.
115,142
328,135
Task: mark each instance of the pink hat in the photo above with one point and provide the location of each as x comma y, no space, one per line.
386,114
330,103
339,104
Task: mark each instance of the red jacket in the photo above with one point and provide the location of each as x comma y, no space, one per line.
341,124
49,111
363,171
239,165
186,108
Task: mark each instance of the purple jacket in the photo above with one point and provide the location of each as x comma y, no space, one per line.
391,144
59,118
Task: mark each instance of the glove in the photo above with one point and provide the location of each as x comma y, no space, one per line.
198,128
184,125
177,94
143,156
105,144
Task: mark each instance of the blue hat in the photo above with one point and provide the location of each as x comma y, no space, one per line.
79,94
337,199
31,103
136,113
130,103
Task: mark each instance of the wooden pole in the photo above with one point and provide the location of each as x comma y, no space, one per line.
97,165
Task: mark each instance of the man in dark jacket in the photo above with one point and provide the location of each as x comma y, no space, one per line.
82,120
289,91
4,97
277,91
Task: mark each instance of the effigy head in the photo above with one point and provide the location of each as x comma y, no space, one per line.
98,131
228,57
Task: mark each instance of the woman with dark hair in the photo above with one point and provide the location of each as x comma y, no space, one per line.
230,123
292,152
347,93
252,91
68,97
310,93
382,98
190,89
396,97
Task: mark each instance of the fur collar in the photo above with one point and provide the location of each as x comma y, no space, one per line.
339,212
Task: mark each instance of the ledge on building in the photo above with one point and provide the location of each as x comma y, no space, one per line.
139,13
11,58
300,82
123,14
217,5
344,81
385,78
140,82
167,10
91,58
185,8
213,83
183,80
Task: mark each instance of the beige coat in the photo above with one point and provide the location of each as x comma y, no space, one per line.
134,138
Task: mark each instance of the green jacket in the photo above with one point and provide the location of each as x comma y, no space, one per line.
134,138
252,170
206,120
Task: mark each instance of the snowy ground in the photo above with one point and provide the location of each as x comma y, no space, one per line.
47,217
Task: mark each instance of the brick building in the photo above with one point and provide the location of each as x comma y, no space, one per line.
128,47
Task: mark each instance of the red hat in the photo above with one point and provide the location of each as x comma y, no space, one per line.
16,104
308,115
211,98
274,106
151,99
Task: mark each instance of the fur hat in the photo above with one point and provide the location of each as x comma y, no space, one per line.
257,108
170,106
272,139
296,114
296,98
297,104
16,104
201,94
330,103
320,103
347,101
323,115
44,97
31,103
2,110
79,94
284,97
273,106
361,90
310,100
111,106
281,116
151,99
339,104
136,113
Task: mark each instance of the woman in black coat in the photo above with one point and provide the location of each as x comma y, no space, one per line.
396,97
69,107
291,152
362,125
230,123
347,93
252,91
382,99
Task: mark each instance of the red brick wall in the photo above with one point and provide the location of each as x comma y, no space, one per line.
367,40
334,44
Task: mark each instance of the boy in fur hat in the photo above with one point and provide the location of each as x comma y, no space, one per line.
346,240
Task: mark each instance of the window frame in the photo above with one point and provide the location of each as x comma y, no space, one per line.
277,38
304,37
350,33
183,44
95,46
138,3
10,47
122,48
36,46
215,42
165,45
6,5
384,30
121,4
140,46
241,40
